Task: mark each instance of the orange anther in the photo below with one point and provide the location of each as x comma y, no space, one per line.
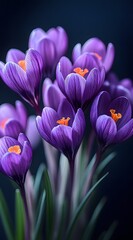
63,121
22,64
115,116
80,71
97,55
3,123
14,149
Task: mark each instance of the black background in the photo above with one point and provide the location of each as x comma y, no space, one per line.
112,21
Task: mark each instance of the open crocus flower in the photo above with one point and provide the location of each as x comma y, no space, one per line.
23,73
111,119
80,82
51,93
97,49
51,45
15,157
12,119
63,128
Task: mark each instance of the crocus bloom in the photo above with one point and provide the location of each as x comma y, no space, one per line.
23,76
96,48
12,119
111,119
63,129
51,45
15,157
80,82
51,93
118,87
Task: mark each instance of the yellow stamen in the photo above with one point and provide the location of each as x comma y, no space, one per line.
63,121
115,116
97,55
14,149
3,123
80,71
22,64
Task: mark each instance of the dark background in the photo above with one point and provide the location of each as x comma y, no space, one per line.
112,21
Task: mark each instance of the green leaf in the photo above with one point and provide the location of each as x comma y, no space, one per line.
102,165
91,225
19,213
39,217
38,179
80,209
49,205
109,233
5,217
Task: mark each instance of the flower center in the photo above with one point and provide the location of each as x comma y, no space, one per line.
97,55
3,123
114,115
80,71
63,121
14,149
22,64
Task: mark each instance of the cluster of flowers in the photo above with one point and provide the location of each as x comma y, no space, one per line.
71,91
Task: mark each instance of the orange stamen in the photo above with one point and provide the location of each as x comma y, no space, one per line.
80,71
3,123
14,149
115,116
22,64
97,55
63,121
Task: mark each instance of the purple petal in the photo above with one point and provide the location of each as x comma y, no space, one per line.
85,61
106,129
59,37
94,82
26,157
35,36
125,132
64,66
22,113
78,128
11,165
122,106
65,110
62,139
76,52
14,55
5,143
7,111
34,67
99,106
47,122
94,45
74,86
32,132
22,139
109,58
13,128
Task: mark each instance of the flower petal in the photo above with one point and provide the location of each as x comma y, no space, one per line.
32,132
13,128
109,58
86,60
94,45
106,129
22,113
76,52
125,132
15,55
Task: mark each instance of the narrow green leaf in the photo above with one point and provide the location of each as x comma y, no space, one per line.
39,217
109,233
5,217
80,208
19,213
91,225
103,164
49,205
38,179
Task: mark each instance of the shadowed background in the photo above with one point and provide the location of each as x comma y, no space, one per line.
111,22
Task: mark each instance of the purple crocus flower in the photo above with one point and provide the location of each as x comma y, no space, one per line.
80,82
111,119
97,49
15,157
23,73
51,93
62,129
118,87
51,45
13,120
